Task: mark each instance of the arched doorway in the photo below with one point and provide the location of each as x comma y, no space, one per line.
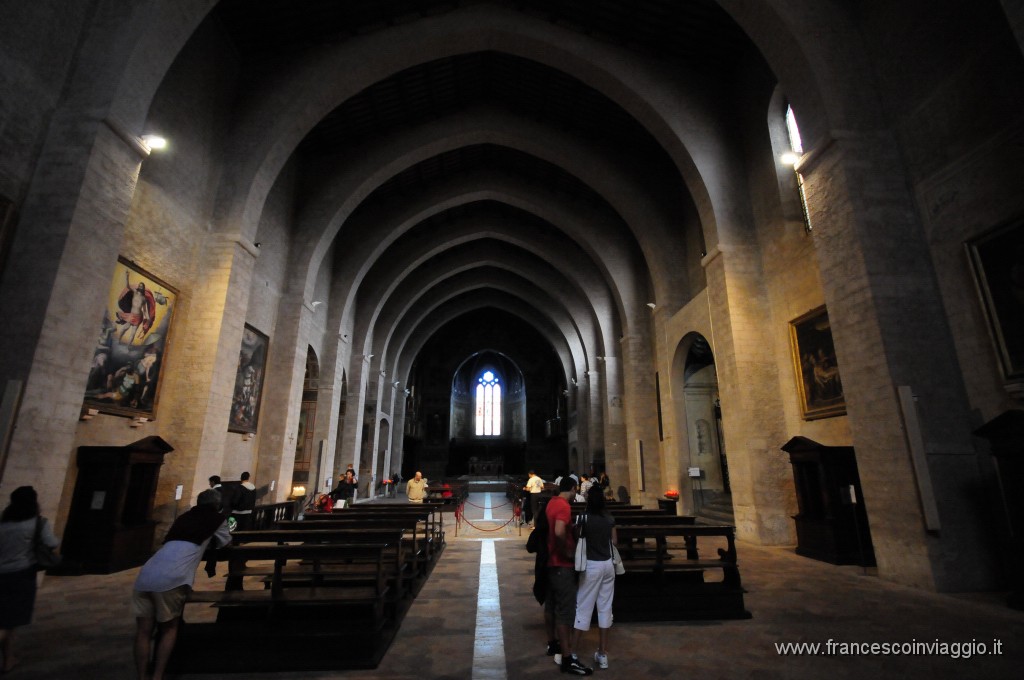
703,460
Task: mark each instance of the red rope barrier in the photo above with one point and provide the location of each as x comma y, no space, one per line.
495,529
483,507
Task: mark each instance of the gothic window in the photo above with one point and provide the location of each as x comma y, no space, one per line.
488,405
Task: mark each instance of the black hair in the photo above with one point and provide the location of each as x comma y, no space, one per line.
595,500
214,480
24,505
245,477
567,484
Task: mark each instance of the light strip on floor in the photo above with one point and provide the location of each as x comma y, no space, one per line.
489,648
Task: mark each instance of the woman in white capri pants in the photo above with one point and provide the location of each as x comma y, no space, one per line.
597,583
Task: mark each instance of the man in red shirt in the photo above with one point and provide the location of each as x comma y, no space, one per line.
561,597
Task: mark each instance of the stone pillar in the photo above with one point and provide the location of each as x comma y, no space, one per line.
763,495
199,378
54,288
352,436
641,418
329,404
617,453
398,430
890,330
592,402
286,370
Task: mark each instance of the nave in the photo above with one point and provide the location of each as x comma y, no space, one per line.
82,628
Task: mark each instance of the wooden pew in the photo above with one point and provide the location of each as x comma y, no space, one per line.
271,601
417,543
430,511
399,573
298,627
668,583
434,520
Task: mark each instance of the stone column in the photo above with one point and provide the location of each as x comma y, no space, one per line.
55,285
641,417
890,330
592,402
352,437
329,403
199,378
763,495
286,370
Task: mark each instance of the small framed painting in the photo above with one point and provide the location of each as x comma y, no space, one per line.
252,363
131,349
819,385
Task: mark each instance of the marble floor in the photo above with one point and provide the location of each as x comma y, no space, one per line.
476,618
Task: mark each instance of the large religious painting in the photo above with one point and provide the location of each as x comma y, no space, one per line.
131,348
819,385
252,362
998,262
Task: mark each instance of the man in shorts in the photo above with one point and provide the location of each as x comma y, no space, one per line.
561,596
166,579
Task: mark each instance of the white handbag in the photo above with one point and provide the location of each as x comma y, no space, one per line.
580,563
617,561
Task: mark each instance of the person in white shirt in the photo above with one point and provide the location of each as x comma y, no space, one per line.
18,527
166,579
535,485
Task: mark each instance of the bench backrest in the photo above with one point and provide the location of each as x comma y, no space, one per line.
371,553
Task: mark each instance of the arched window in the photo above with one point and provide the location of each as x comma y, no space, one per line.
795,145
488,405
796,149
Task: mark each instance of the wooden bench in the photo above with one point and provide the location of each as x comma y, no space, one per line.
399,573
433,519
289,626
417,543
667,583
433,512
315,559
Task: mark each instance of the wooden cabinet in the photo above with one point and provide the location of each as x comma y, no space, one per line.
110,525
832,523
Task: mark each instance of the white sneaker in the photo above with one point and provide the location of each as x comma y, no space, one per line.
558,659
601,660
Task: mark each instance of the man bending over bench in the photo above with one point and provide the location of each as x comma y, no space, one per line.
165,580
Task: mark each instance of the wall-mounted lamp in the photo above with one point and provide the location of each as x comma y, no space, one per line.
154,142
789,158
652,305
298,491
600,358
407,392
139,421
248,436
88,414
396,383
258,244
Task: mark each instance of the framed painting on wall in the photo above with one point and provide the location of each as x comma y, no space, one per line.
997,260
819,386
252,362
124,378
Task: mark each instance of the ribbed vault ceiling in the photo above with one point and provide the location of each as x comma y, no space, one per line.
695,35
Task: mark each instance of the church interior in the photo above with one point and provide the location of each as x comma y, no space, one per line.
766,258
